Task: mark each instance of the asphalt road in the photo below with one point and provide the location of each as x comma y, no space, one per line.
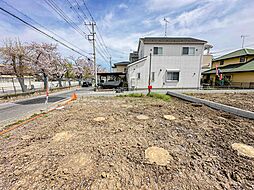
14,111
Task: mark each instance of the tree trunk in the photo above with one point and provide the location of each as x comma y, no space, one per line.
69,81
60,82
22,83
45,81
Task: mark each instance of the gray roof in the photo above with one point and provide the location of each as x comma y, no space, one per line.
122,63
172,40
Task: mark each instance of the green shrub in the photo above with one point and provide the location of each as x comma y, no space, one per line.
159,96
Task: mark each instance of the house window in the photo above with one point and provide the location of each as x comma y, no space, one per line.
157,50
222,62
138,76
153,76
242,59
188,51
172,76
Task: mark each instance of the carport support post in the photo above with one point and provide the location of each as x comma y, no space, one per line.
149,74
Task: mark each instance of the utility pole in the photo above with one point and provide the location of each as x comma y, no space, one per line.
149,74
166,25
243,38
110,63
94,51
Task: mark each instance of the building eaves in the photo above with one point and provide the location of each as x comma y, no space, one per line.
136,62
236,53
233,68
172,40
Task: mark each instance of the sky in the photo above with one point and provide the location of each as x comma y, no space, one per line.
122,23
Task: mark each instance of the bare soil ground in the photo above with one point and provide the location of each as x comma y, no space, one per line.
240,100
70,149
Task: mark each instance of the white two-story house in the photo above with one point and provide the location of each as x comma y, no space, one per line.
175,63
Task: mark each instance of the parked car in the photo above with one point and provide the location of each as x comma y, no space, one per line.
86,84
111,84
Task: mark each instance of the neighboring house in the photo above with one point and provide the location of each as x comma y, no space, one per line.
133,56
237,69
207,59
175,63
120,67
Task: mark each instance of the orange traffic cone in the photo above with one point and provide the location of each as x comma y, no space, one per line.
74,96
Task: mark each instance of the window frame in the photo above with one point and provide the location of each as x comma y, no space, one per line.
153,76
244,59
172,80
138,76
188,51
222,62
158,47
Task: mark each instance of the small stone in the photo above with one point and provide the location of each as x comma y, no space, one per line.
17,172
243,149
99,119
169,117
104,175
142,117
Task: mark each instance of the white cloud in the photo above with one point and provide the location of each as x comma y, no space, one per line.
107,20
158,5
123,6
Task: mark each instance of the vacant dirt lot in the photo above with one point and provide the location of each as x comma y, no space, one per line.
126,143
240,100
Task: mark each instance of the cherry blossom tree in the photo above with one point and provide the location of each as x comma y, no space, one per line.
45,60
14,55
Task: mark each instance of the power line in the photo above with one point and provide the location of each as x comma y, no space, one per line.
37,29
103,42
88,11
67,19
61,13
80,8
80,17
43,27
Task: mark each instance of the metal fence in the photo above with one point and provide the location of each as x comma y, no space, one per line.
10,85
231,85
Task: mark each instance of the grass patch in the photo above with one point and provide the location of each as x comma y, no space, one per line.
151,95
134,95
6,136
164,97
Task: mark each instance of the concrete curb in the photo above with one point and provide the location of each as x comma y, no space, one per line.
214,105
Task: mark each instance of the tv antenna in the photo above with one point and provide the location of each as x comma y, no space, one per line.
166,25
243,39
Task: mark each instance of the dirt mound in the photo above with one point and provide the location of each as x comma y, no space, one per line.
142,117
157,155
99,119
244,149
77,161
63,136
169,117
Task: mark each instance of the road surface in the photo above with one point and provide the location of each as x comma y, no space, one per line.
14,111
